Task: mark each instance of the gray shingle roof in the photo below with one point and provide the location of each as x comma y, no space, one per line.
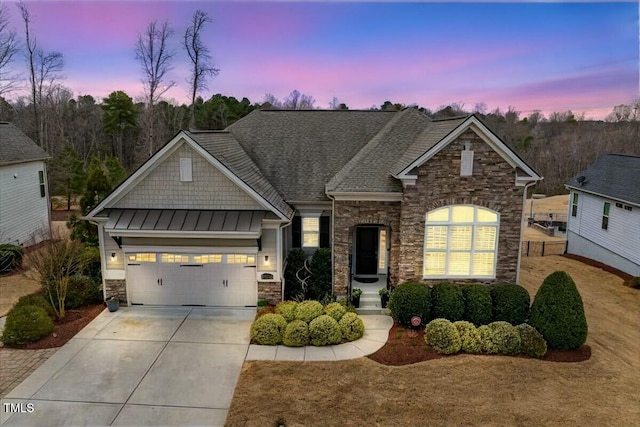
300,151
224,147
370,169
614,175
16,147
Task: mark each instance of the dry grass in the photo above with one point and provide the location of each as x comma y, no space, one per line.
466,389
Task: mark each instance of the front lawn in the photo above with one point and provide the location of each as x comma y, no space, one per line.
466,389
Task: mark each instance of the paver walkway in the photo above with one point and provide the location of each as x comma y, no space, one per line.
17,365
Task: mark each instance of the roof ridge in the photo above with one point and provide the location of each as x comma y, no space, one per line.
374,142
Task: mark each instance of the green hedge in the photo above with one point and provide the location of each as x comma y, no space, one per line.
510,303
505,337
324,330
268,329
287,309
469,337
26,323
532,341
447,302
478,305
557,312
308,310
81,290
335,310
442,336
296,334
410,299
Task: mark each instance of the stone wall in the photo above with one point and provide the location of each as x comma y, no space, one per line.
348,214
270,291
492,185
117,288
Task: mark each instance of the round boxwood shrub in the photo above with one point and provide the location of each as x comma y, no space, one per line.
26,323
39,301
308,310
469,337
296,334
324,330
287,309
442,336
410,299
510,303
478,305
268,329
335,310
505,337
532,341
352,327
447,302
557,312
487,345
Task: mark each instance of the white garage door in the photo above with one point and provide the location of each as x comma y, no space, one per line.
213,279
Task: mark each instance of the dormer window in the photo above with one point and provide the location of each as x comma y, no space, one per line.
466,160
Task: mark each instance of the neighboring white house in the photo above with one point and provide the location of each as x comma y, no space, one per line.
25,216
604,212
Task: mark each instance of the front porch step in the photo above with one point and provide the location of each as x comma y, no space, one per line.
373,310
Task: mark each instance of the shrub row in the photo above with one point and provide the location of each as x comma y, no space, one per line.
501,337
299,324
478,304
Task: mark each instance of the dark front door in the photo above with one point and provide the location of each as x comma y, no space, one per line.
366,250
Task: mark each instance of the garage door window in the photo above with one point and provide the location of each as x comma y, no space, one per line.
208,259
170,258
142,257
240,259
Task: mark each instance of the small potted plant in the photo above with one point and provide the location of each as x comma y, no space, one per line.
113,304
355,297
384,297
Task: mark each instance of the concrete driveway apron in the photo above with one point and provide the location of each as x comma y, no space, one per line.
139,366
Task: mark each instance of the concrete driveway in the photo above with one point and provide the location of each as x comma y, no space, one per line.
139,366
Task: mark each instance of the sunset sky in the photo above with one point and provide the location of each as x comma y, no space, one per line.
544,55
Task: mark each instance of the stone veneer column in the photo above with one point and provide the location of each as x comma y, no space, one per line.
270,291
116,288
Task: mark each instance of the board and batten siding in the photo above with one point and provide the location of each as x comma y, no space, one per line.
24,212
208,188
621,238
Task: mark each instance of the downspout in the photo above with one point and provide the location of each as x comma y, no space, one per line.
524,207
333,269
283,261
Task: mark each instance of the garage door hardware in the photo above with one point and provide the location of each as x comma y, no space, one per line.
160,282
191,265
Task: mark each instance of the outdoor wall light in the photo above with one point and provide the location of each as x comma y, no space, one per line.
113,256
266,259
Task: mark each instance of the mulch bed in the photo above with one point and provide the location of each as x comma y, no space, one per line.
65,329
621,274
406,346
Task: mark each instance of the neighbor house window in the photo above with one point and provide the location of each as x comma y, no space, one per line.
605,215
460,241
41,180
574,205
310,232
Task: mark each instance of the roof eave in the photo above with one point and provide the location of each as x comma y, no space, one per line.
595,193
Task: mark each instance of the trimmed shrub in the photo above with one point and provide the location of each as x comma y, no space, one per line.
308,310
287,309
478,305
39,301
505,337
469,337
335,310
487,345
532,342
10,257
558,313
352,327
410,299
324,330
510,303
447,302
25,324
81,291
442,336
296,334
268,329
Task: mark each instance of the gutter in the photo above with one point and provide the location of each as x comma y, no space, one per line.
524,207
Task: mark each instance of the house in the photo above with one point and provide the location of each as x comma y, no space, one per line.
604,212
25,215
210,217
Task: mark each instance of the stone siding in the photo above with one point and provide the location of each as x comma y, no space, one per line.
348,214
116,288
492,185
270,291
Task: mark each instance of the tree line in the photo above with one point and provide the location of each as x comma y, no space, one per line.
76,128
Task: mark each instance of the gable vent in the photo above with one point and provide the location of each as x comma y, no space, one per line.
466,160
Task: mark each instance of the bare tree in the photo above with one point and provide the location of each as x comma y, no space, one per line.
44,69
200,57
298,101
8,49
155,58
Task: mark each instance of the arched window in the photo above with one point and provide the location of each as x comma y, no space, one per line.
461,241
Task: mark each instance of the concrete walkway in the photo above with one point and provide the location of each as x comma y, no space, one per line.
156,366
